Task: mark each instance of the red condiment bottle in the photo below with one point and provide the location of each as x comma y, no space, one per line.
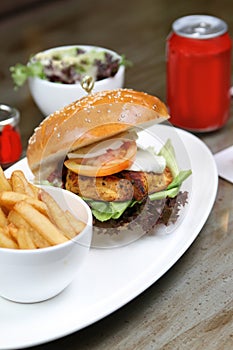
199,73
10,140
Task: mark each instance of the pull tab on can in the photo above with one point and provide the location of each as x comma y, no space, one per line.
199,27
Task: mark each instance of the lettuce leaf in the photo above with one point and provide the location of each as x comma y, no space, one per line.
103,211
174,187
20,73
168,152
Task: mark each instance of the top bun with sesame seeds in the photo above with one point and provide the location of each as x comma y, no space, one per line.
86,121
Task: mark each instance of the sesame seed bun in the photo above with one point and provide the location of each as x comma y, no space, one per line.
91,119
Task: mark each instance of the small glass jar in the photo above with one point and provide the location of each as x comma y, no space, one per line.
10,138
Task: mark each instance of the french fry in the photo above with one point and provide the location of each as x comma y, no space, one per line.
35,190
9,198
9,181
56,215
11,231
39,241
6,241
30,218
17,183
6,231
18,221
78,225
40,223
20,183
39,205
4,183
24,239
3,218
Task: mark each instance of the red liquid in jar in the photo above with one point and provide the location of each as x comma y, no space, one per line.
199,81
10,140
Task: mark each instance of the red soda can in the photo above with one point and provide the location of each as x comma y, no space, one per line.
198,54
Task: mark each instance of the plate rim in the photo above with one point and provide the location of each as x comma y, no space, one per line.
149,281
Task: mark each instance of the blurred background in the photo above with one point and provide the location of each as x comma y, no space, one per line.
135,28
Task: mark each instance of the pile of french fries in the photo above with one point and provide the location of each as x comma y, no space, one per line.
30,218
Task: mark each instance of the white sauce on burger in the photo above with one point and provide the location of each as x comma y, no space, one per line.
146,160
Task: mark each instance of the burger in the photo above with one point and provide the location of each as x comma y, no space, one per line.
90,148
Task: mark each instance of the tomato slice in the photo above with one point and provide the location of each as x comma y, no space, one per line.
110,162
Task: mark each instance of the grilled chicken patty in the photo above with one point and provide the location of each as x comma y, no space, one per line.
123,186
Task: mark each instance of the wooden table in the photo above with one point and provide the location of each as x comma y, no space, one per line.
191,306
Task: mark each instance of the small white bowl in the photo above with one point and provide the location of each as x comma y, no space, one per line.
30,276
51,97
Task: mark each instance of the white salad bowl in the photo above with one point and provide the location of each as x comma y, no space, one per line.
35,275
52,96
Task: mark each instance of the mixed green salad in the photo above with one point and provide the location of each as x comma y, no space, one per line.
68,66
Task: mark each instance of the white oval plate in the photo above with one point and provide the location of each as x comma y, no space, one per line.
117,275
